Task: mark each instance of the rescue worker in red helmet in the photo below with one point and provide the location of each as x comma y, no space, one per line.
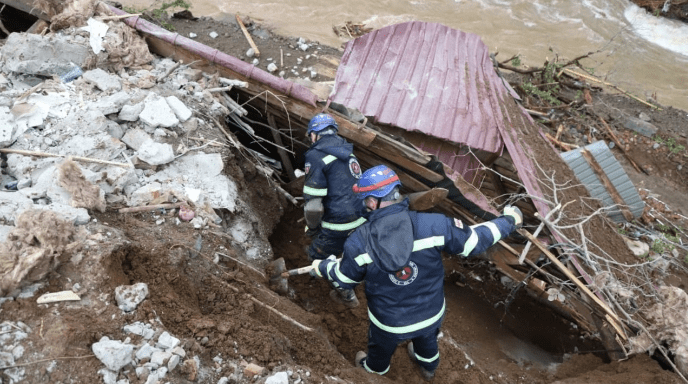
332,210
397,252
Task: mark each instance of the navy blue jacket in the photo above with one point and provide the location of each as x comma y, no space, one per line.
331,171
398,254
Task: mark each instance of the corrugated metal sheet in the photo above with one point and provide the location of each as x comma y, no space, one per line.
614,172
425,77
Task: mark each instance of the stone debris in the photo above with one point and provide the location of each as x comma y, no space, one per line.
130,296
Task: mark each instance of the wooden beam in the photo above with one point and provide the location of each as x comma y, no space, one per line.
607,184
286,161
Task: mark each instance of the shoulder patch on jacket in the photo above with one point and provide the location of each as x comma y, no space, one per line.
307,168
458,223
355,168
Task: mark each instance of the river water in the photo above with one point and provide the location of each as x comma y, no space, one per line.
640,53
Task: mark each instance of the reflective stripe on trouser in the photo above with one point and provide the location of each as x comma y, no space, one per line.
381,347
343,226
326,242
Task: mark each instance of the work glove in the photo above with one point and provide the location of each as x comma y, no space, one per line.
311,232
315,272
514,212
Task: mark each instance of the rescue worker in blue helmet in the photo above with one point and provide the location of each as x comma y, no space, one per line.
397,252
332,210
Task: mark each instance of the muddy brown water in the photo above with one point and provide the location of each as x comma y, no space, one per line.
642,54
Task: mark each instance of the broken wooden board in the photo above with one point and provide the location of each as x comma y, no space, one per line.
422,201
54,297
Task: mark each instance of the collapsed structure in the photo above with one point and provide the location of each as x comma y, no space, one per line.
438,118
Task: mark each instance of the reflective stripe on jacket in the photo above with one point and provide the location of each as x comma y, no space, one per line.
401,264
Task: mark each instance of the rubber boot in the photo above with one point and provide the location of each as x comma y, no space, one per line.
427,375
347,297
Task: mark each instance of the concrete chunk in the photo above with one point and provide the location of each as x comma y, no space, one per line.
642,127
7,127
48,55
131,112
103,80
155,153
12,202
180,110
128,297
113,353
156,112
135,138
111,104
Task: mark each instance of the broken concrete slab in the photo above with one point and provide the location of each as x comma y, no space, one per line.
4,231
157,112
180,110
103,80
130,112
155,153
200,172
47,185
110,104
13,202
48,55
7,127
135,138
145,194
78,216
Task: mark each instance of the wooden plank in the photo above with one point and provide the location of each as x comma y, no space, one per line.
332,60
607,184
283,154
575,280
28,7
38,27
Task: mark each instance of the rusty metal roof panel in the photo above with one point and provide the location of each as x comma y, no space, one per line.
425,77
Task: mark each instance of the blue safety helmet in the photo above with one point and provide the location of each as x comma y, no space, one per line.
379,181
320,122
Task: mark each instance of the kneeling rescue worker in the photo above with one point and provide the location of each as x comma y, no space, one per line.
398,254
332,211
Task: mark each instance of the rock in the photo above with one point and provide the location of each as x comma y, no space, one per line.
179,351
157,112
278,378
155,153
167,341
78,216
109,377
642,127
113,353
115,130
128,297
303,47
192,35
130,112
253,370
145,194
272,67
644,117
142,373
213,34
250,53
173,362
103,80
160,358
179,108
255,62
146,351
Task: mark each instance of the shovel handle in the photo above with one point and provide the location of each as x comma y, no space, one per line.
299,271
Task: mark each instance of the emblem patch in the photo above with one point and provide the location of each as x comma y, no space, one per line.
406,275
307,168
458,223
355,168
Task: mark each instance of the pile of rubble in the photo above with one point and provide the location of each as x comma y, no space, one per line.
75,141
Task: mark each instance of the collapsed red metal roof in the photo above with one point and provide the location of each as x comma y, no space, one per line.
425,77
